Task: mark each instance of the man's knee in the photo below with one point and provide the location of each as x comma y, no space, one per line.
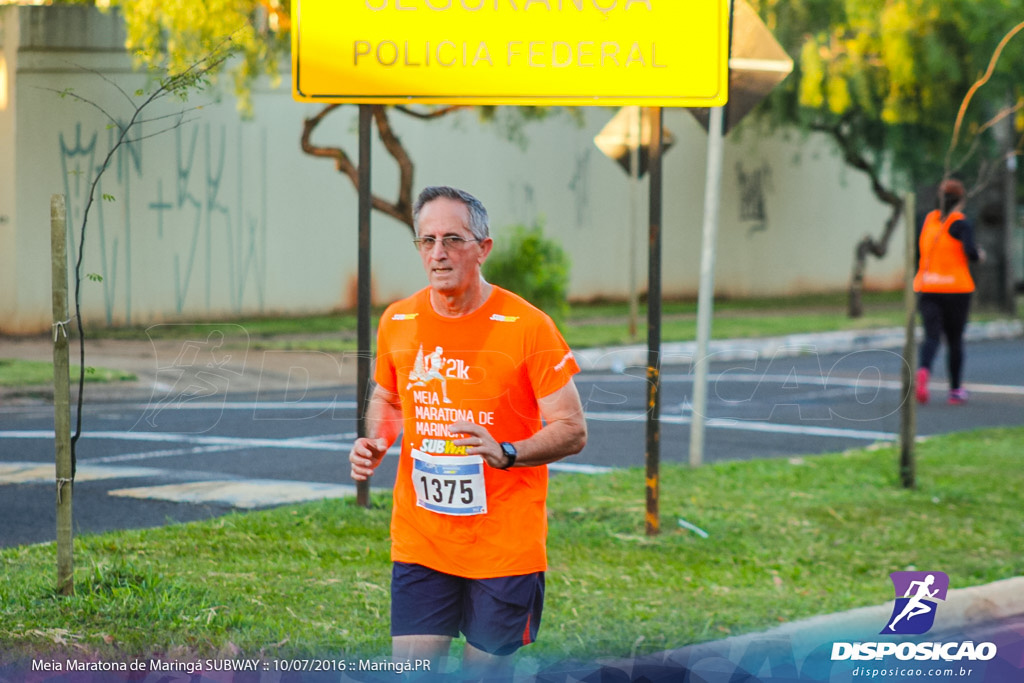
419,647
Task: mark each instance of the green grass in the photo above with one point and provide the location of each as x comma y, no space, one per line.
581,335
788,539
343,323
588,324
16,373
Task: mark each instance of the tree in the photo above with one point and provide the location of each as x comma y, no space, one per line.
127,131
885,80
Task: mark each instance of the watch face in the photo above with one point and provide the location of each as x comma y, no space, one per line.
510,452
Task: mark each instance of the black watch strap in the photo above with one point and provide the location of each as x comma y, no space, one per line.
510,453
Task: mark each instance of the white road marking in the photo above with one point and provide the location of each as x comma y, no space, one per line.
797,381
300,443
580,468
243,405
751,426
245,494
40,473
238,493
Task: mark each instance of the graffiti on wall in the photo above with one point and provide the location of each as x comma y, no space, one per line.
579,186
199,213
753,185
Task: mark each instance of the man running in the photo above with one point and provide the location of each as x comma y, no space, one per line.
469,522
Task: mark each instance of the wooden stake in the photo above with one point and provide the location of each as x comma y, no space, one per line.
62,394
908,416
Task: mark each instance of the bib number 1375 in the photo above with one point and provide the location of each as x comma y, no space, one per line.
449,485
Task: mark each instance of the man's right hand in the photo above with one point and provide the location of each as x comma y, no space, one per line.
366,454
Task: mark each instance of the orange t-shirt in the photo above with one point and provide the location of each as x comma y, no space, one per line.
942,267
488,367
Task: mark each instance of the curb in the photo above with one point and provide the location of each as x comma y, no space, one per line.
806,644
963,608
617,359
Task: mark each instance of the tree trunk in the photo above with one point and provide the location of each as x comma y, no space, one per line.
868,244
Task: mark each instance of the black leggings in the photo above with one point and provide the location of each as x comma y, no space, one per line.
944,315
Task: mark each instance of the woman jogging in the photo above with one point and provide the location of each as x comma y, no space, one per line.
944,285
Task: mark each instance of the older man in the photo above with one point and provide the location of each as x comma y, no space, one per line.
469,522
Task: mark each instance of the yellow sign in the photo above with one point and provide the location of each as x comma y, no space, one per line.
670,53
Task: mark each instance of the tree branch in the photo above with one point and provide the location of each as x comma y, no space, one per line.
432,114
977,85
401,208
868,245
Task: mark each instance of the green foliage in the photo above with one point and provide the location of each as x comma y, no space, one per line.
890,75
534,267
168,36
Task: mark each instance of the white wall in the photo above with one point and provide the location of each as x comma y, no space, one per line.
219,217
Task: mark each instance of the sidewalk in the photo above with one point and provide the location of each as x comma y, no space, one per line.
684,353
158,365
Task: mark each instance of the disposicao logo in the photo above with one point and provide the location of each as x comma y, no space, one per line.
916,596
913,613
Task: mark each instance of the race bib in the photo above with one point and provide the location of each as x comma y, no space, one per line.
449,485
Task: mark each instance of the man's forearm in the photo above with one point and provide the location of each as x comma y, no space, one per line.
555,441
384,416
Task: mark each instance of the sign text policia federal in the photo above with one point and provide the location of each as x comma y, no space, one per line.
670,53
514,53
603,6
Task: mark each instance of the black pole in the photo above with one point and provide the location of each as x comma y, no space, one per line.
653,454
363,323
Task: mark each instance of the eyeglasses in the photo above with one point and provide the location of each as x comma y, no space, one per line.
449,242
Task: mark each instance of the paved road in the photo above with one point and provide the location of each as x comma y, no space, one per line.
191,448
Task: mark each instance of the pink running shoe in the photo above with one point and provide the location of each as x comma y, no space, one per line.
921,382
957,397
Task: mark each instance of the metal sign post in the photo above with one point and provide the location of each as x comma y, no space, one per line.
363,354
652,458
705,295
757,63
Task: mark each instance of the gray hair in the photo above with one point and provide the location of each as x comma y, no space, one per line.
479,223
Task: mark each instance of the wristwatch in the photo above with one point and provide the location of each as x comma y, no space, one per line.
510,452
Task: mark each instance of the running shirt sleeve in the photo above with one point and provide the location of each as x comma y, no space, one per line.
550,363
963,230
384,367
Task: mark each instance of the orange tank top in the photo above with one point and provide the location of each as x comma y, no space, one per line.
943,264
488,367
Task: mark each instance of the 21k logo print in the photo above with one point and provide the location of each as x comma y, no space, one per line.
917,594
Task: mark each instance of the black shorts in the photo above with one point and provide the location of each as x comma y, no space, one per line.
497,615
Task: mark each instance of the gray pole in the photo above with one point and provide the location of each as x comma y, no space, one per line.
363,318
706,292
61,394
634,191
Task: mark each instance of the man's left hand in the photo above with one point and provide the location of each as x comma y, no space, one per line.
478,441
